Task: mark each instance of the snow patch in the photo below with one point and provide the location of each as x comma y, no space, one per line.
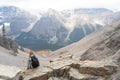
31,26
53,40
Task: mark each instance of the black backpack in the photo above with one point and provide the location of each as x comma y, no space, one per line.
34,62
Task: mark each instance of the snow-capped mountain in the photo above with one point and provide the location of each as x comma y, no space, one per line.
17,18
56,29
53,29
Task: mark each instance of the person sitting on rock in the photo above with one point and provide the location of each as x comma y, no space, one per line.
32,61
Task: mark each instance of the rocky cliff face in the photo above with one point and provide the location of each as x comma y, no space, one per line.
95,57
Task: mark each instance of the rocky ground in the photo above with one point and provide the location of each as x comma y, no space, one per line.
71,70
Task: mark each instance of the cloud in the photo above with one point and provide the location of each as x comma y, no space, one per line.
62,4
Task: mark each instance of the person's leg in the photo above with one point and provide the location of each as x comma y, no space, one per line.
29,64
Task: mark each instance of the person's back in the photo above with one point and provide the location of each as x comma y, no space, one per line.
33,61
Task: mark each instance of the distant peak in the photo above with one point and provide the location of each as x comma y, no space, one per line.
92,10
9,7
50,10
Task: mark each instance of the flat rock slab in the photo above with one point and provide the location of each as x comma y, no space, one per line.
69,68
8,72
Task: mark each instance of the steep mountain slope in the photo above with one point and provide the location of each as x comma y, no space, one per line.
48,33
95,57
7,58
57,29
96,46
17,18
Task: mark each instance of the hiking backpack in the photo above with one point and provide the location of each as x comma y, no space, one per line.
34,62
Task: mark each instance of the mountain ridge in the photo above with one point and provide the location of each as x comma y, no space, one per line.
54,28
69,24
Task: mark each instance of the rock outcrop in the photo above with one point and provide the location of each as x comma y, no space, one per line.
71,70
8,72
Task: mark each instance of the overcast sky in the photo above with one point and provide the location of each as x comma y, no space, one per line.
62,4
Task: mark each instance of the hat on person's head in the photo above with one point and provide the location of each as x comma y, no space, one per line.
31,52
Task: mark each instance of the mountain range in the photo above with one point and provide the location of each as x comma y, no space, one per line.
54,29
95,57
